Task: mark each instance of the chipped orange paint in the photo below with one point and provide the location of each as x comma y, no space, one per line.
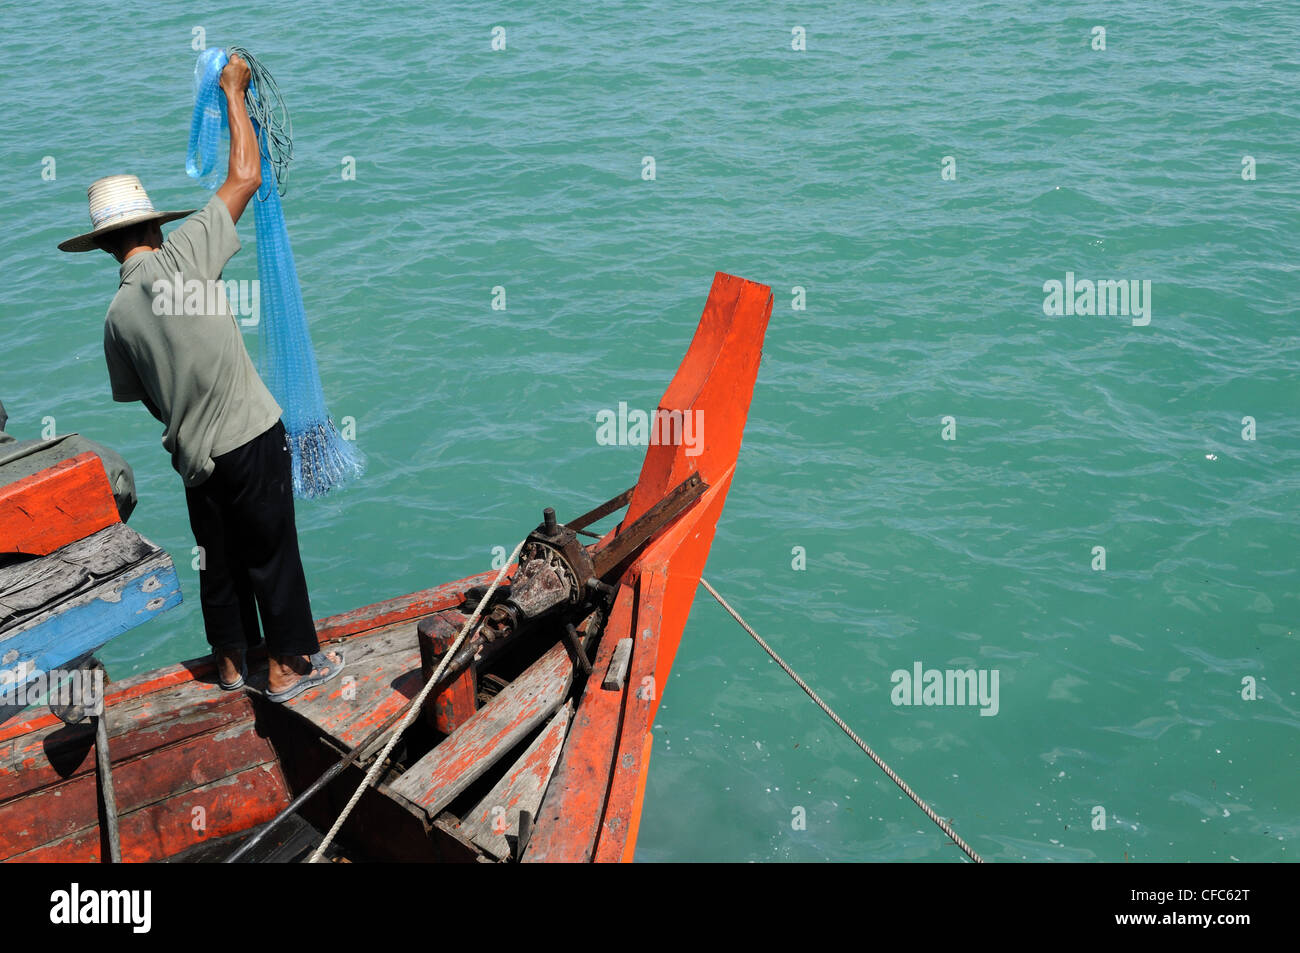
565,828
642,699
634,824
167,827
537,764
30,782
330,629
196,761
56,506
600,797
426,783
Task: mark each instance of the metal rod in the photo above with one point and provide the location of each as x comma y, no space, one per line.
600,512
575,645
645,527
525,834
105,766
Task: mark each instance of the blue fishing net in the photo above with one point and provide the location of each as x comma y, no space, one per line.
322,459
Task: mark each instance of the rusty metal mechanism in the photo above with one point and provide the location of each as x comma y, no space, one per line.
559,577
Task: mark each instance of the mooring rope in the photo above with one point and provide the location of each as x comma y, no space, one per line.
418,703
415,708
880,763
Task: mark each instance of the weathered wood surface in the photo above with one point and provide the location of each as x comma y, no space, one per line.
381,673
60,504
617,671
29,586
48,815
165,744
401,608
95,613
457,761
496,817
137,726
167,827
80,626
200,673
616,840
566,824
173,731
174,749
62,606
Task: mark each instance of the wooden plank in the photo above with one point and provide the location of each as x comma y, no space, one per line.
287,838
59,752
335,628
622,809
454,764
382,828
59,810
49,581
400,609
60,504
567,823
617,671
197,676
153,833
39,582
521,788
108,551
381,673
85,622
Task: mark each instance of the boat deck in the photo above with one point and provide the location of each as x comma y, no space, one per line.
381,673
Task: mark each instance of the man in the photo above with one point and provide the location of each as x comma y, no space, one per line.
223,427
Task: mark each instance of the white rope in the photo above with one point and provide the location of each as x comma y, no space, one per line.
413,710
943,825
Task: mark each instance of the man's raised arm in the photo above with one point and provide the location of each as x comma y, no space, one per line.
244,174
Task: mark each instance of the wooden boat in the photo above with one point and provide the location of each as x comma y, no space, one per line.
534,745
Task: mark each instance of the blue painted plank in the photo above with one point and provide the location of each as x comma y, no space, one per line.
84,624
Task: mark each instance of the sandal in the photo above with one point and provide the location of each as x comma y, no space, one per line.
318,661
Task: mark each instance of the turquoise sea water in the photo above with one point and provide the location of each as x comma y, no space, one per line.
817,169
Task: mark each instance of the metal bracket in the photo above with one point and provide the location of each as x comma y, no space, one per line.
631,538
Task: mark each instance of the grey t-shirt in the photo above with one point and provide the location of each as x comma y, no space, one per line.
172,341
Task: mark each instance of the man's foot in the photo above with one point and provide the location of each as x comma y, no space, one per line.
285,671
230,667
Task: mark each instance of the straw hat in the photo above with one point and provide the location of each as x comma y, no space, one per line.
115,202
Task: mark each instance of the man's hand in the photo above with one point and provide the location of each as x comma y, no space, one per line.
244,174
236,75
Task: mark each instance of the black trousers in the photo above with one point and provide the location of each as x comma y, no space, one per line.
242,518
